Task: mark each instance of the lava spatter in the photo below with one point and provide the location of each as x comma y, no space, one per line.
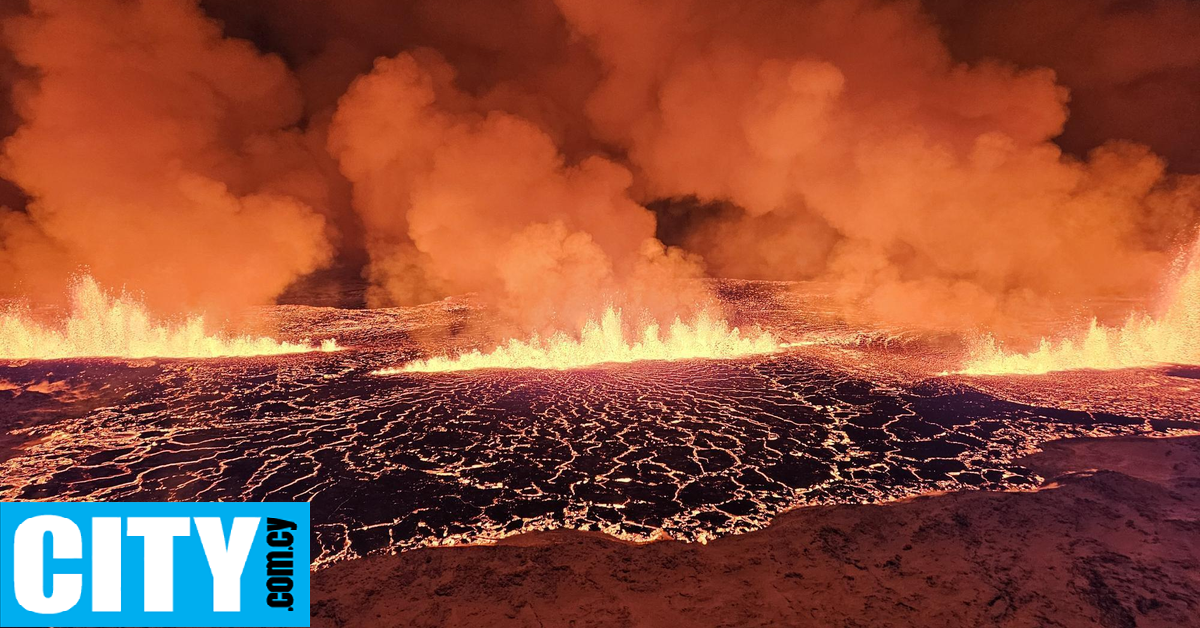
1170,337
690,449
606,341
99,324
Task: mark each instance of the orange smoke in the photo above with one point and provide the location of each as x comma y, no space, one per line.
908,152
103,325
1170,337
605,342
158,154
456,198
854,148
1133,67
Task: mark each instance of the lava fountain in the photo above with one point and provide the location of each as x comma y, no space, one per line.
605,341
1172,337
99,324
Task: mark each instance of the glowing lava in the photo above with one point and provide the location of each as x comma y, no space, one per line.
606,341
101,325
1173,337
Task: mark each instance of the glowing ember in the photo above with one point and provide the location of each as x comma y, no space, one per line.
1172,337
605,341
101,325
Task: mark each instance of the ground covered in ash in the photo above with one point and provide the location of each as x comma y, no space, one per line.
690,450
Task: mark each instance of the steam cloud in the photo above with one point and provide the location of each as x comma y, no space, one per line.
458,200
914,154
158,154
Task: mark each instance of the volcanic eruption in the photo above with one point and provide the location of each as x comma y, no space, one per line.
104,325
1171,336
843,143
455,271
605,342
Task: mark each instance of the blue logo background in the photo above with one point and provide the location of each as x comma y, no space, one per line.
193,587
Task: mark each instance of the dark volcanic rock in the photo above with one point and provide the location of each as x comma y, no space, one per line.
1112,541
694,449
690,449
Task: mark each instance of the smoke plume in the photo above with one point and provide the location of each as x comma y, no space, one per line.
1133,67
158,155
942,163
456,198
857,149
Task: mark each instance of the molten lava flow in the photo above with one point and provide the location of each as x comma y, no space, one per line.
605,341
101,325
1172,337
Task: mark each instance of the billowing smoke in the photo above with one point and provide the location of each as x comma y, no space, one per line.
158,155
1133,67
855,148
941,163
455,198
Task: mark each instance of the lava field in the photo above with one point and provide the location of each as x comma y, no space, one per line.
685,449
